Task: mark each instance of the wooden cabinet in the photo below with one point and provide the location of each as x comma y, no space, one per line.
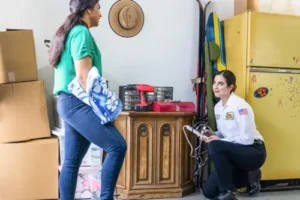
158,162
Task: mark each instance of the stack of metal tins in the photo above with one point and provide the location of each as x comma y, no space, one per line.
164,93
130,97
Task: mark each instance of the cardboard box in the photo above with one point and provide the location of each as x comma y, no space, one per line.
287,7
241,6
23,112
29,170
17,56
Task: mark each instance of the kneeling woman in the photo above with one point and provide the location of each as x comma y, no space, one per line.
237,148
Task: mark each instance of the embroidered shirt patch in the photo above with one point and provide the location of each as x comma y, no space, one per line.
243,111
229,116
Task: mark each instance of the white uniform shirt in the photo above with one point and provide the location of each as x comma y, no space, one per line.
235,121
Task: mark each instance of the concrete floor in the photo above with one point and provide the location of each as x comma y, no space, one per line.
282,195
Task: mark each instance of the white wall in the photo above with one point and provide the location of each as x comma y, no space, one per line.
165,50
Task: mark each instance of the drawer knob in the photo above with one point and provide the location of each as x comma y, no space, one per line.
144,131
166,130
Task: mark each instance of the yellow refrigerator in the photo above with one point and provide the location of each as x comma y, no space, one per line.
263,50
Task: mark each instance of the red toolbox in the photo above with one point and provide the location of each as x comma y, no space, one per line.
173,106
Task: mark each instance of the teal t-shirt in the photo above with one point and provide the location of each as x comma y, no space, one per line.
78,44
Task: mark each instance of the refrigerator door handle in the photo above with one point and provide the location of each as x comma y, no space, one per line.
272,70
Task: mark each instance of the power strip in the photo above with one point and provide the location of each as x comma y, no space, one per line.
200,135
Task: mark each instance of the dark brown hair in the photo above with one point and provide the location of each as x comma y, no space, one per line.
77,9
229,78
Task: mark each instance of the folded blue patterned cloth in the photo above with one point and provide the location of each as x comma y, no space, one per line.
104,102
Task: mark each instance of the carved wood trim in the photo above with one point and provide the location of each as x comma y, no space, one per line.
143,153
167,152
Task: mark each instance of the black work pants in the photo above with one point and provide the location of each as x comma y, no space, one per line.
232,164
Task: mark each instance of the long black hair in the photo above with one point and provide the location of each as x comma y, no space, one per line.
77,9
229,78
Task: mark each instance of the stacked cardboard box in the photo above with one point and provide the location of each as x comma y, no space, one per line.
29,155
287,7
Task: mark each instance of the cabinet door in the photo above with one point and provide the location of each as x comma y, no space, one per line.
273,40
167,155
143,153
186,161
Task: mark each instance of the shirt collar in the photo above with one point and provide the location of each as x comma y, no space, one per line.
231,99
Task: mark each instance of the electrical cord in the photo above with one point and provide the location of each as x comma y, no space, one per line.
200,155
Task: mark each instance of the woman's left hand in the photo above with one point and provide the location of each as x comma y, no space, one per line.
212,138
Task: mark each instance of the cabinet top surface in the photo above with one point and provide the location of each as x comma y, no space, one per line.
133,113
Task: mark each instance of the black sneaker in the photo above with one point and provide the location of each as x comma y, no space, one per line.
254,182
229,195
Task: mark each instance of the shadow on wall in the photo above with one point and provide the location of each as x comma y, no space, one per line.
46,73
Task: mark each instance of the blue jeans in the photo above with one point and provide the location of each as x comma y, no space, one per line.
82,126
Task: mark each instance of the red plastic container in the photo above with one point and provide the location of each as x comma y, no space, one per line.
173,106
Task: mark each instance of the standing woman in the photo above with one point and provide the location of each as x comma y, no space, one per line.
73,53
237,149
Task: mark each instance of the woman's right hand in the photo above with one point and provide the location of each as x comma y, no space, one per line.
208,133
212,138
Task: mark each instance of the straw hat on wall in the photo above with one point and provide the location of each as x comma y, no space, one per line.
126,18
